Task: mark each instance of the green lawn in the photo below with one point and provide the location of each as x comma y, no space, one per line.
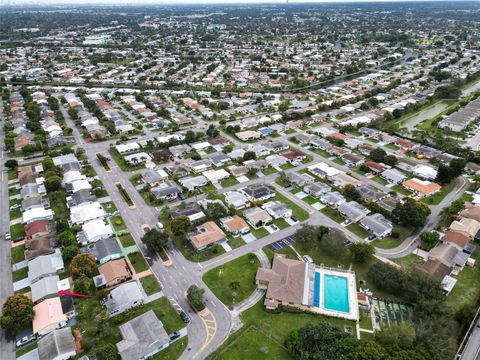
392,146
118,223
298,212
409,262
109,207
390,242
358,230
401,190
13,191
281,223
15,214
229,181
467,288
150,284
138,261
234,281
252,343
290,254
192,254
236,242
18,254
122,164
339,161
380,180
12,202
126,240
310,200
136,179
26,349
259,233
332,214
174,351
269,170
20,274
366,322
435,199
12,174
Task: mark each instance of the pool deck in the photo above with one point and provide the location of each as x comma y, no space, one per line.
353,313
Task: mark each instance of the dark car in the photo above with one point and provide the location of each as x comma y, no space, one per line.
174,336
184,317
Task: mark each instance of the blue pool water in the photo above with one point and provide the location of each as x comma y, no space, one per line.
316,292
335,293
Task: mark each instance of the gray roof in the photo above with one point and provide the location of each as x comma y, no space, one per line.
123,295
333,197
80,197
34,201
58,342
185,210
151,176
376,224
219,158
44,287
394,175
103,248
352,210
371,193
316,188
165,189
193,182
258,191
45,264
141,336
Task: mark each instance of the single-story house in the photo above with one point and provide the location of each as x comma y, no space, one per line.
236,199
421,187
277,210
332,199
258,192
57,345
103,250
45,265
353,211
377,225
206,235
316,189
394,176
112,273
123,297
48,316
235,225
257,217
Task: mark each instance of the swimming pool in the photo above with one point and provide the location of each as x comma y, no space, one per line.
335,293
316,292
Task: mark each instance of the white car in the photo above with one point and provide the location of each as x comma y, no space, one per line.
8,236
308,259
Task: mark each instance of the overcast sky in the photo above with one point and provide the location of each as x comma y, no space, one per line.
197,2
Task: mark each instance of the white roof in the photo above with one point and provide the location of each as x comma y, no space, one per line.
201,145
216,175
425,171
82,213
127,147
36,213
328,170
96,229
72,175
80,185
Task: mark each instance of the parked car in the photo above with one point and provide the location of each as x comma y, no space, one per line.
8,236
25,340
308,259
185,318
174,336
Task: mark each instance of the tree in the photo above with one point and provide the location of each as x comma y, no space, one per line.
444,174
397,337
179,226
351,193
53,183
69,252
82,265
457,166
333,243
377,154
411,212
66,238
249,155
107,351
17,313
465,315
319,341
216,210
83,285
195,297
429,239
11,164
309,234
155,239
362,252
368,350
390,160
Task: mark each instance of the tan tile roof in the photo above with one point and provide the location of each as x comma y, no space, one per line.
236,223
285,279
114,269
422,187
207,234
472,212
456,237
469,226
435,269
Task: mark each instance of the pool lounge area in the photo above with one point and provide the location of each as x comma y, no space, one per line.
334,293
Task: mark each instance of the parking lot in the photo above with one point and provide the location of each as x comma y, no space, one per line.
280,244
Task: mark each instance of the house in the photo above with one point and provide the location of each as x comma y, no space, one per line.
94,230
458,239
299,179
353,211
236,154
421,187
248,135
319,143
192,183
123,297
237,170
425,172
445,253
235,225
284,282
294,156
216,176
377,225
365,149
322,170
36,214
103,250
48,316
219,159
137,158
276,160
191,210
236,199
167,190
45,287
112,273
33,202
45,265
472,168
332,199
352,160
277,210
405,144
470,212
57,345
80,214
37,229
316,189
370,193
142,337
393,176
42,245
258,192
375,167
257,217
178,171
206,235
470,227
179,150
153,178
342,179
434,269
406,164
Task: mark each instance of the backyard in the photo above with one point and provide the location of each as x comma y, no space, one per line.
234,281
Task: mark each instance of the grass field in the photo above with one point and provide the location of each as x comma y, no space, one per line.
109,207
150,284
126,240
118,223
332,214
138,262
17,232
233,281
229,182
297,211
358,230
18,254
409,262
122,164
174,351
191,254
20,274
390,242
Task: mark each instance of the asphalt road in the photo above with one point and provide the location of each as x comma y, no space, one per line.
472,348
7,344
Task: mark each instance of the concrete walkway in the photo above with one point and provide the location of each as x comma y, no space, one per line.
19,265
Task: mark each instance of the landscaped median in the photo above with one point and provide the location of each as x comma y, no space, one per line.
235,281
125,195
